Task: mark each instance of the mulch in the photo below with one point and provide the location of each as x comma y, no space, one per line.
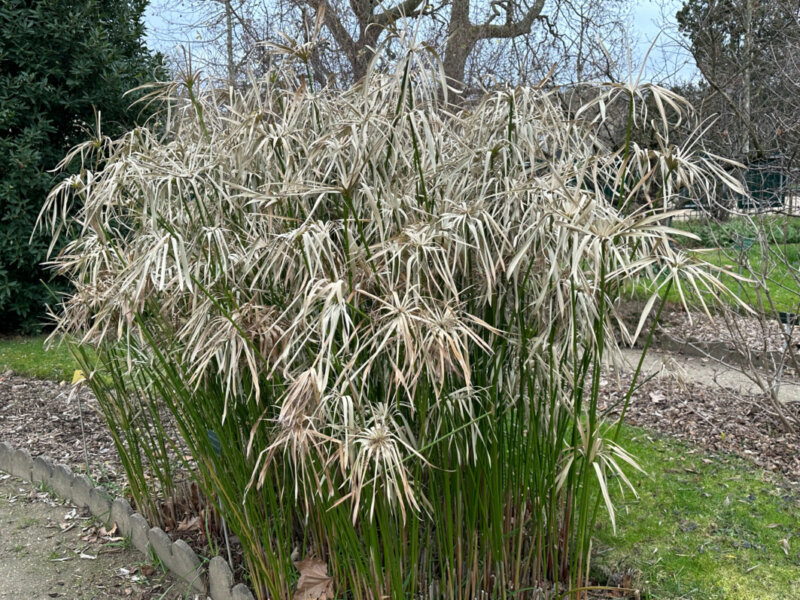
44,417
753,333
715,418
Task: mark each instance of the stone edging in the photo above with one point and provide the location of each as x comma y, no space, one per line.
720,351
216,581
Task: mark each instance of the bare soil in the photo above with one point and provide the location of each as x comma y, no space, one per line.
49,549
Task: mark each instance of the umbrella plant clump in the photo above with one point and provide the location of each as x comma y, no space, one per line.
378,321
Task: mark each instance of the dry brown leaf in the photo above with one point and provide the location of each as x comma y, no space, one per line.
314,583
189,524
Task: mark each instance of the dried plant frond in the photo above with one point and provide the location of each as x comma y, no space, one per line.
386,278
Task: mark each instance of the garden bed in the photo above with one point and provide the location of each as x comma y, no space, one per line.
41,416
752,333
716,419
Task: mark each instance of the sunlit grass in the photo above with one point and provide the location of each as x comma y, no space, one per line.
28,357
779,265
705,527
776,229
780,270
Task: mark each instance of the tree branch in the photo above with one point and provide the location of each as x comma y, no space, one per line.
511,28
340,34
735,107
409,8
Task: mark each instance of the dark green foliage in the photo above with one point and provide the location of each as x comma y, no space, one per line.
59,61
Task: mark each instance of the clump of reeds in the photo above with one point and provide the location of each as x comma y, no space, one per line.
378,321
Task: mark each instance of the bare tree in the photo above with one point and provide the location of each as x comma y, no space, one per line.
746,51
517,41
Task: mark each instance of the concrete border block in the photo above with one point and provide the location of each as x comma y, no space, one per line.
139,533
121,512
220,579
6,452
81,493
161,545
187,566
241,592
62,480
21,464
100,504
42,470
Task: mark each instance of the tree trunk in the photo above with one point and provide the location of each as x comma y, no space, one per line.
461,41
229,41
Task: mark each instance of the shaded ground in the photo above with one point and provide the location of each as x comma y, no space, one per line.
48,549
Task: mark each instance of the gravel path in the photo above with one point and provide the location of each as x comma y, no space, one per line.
48,549
706,372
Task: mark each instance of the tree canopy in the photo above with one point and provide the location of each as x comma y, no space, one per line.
60,61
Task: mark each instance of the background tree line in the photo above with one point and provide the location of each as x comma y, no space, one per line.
62,60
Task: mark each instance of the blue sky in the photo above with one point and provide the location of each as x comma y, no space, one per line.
666,61
666,57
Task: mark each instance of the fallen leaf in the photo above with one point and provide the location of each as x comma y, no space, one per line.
785,545
314,583
190,524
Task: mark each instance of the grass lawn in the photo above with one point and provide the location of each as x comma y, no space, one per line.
779,229
725,238
782,275
705,527
27,356
783,280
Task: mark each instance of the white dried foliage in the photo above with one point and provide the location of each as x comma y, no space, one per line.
346,250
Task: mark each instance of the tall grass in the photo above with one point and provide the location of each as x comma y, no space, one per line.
392,314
